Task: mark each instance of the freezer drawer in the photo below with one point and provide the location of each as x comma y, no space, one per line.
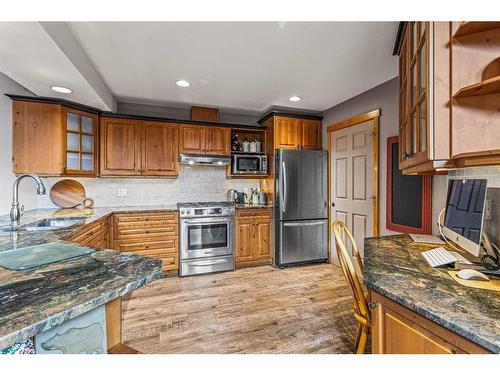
302,241
206,265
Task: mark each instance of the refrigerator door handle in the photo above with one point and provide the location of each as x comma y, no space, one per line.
304,223
283,190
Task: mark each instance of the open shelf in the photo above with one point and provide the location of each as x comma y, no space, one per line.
468,28
490,86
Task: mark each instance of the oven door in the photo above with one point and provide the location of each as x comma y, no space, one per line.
206,237
247,164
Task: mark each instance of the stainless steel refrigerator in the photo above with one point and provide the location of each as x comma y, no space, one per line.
301,211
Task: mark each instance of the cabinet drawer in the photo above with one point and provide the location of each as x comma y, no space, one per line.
131,219
125,232
169,244
254,213
86,232
169,258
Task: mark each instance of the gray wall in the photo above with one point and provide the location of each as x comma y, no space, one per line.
385,97
27,188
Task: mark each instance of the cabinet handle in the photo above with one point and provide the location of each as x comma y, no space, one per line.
372,305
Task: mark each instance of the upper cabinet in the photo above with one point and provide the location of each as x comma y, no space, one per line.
424,97
138,148
297,133
52,140
449,96
475,90
196,139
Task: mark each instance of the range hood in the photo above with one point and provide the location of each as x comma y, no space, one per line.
211,160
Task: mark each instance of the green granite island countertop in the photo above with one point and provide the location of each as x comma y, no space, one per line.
35,300
395,268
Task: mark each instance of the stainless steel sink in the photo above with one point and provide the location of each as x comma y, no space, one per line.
46,224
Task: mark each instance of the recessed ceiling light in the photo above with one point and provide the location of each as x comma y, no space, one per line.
62,90
182,83
294,98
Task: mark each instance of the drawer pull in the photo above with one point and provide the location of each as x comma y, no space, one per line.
147,246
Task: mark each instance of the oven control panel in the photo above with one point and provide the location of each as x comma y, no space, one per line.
206,211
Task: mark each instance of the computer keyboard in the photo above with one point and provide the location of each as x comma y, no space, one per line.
438,257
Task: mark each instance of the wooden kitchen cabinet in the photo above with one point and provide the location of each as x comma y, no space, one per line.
53,140
475,89
218,141
138,148
424,86
310,134
398,330
297,133
192,139
196,139
253,237
153,234
159,149
96,235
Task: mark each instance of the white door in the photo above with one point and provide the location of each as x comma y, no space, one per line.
352,191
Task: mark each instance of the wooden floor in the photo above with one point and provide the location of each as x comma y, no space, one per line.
253,310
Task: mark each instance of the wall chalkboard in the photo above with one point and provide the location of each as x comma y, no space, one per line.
408,197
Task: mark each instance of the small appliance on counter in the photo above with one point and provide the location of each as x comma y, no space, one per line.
206,237
234,196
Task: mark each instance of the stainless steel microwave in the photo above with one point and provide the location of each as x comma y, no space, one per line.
249,164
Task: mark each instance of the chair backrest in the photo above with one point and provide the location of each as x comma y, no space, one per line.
342,233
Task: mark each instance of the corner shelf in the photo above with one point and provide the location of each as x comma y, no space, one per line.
490,86
468,28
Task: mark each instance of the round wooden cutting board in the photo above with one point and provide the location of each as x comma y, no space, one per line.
67,193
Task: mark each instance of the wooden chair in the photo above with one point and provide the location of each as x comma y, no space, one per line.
361,308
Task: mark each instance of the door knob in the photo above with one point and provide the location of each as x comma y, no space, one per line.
333,204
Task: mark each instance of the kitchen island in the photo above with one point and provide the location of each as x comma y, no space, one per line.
36,300
418,309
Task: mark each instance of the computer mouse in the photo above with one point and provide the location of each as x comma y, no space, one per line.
469,274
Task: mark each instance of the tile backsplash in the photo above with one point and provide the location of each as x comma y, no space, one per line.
194,184
492,174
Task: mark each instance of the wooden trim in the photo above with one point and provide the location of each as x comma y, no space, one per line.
426,199
372,115
375,176
114,322
354,121
289,114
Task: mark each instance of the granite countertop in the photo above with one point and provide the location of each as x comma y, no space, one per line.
35,300
9,240
242,206
395,268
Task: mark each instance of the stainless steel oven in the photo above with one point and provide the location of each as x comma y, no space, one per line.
249,164
207,237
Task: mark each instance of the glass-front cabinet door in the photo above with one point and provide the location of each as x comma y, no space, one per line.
81,143
414,76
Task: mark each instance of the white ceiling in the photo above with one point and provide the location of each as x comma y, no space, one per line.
246,66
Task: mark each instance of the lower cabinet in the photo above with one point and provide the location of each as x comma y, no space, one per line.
96,234
253,237
153,234
398,330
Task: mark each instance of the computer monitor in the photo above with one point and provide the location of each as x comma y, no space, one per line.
465,206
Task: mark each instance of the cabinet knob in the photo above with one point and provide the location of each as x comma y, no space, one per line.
34,124
372,305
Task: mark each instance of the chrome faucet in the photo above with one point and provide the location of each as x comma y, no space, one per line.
16,211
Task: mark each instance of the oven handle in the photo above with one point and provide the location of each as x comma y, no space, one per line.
205,263
207,221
